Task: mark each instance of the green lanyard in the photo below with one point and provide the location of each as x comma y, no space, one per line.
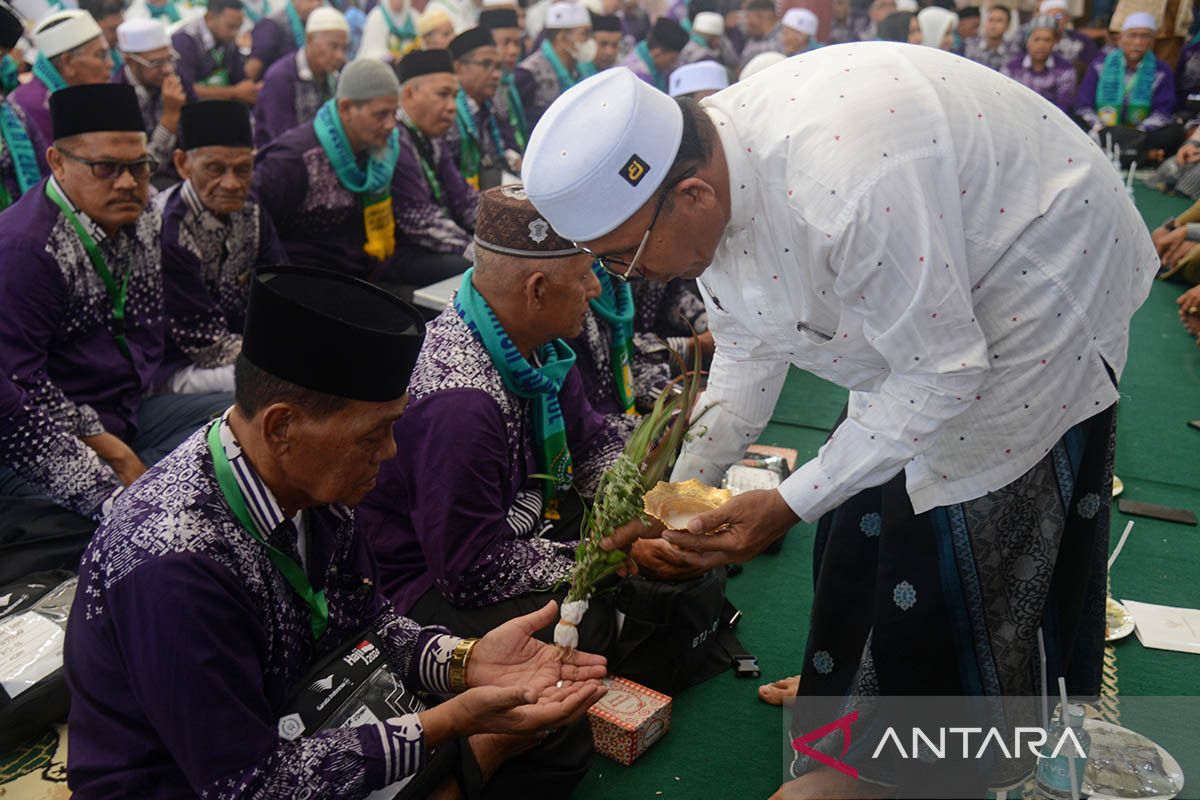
292,572
116,294
427,168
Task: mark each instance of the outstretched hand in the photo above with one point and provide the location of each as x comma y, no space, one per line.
516,709
509,656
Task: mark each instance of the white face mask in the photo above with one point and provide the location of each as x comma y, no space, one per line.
584,53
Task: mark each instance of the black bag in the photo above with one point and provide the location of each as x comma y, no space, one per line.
354,685
34,700
669,639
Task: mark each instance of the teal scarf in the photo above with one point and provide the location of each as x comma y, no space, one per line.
565,81
643,52
540,384
20,148
470,164
296,24
1110,90
45,72
373,185
516,111
700,40
615,306
118,59
405,34
8,74
167,10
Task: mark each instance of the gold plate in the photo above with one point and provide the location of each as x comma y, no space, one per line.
675,504
1118,486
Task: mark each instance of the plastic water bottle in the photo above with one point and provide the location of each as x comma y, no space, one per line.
1054,771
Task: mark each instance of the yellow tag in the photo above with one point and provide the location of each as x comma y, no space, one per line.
380,225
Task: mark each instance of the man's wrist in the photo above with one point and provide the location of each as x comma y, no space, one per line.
459,663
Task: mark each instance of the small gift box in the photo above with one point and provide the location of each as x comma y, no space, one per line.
628,720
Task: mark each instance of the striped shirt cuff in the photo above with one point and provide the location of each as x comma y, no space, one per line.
433,663
404,752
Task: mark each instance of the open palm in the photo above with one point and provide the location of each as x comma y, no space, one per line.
510,656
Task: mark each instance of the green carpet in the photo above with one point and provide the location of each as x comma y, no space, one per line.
725,743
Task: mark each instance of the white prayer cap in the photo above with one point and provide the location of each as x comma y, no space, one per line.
699,76
567,15
613,137
499,4
1050,6
63,31
431,18
709,23
1140,19
759,63
142,35
325,18
801,20
907,5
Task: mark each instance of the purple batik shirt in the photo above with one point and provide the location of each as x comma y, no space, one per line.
1187,75
33,98
1162,99
207,262
1055,82
185,640
483,114
452,510
634,63
8,169
198,51
57,340
320,222
291,95
272,39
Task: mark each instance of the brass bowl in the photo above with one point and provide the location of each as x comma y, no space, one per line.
676,504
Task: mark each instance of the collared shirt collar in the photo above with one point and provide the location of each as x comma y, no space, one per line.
90,225
197,208
260,501
206,36
741,175
303,71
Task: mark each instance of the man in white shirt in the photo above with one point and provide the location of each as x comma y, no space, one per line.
946,246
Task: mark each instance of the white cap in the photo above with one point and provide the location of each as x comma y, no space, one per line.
1049,6
567,15
611,136
142,35
324,18
499,4
907,5
1140,19
801,20
63,31
699,76
709,23
759,63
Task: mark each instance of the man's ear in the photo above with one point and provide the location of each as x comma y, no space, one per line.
536,287
277,422
695,193
55,160
179,158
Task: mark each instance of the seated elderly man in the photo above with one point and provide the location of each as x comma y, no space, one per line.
763,34
563,59
82,332
798,31
510,45
150,69
214,234
1040,69
1181,172
707,40
333,187
1128,94
654,58
277,35
991,47
296,87
608,35
235,564
481,141
72,51
456,523
209,57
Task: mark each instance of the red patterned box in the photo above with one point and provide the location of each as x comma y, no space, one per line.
628,720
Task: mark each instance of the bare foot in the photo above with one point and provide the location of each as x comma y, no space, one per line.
781,692
824,783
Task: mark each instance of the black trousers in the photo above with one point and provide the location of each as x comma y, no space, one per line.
37,534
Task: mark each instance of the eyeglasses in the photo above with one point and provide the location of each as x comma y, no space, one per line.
607,263
486,66
109,170
158,63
